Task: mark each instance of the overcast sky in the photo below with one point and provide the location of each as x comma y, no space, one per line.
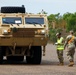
50,6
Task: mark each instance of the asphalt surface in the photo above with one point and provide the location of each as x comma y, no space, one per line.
48,65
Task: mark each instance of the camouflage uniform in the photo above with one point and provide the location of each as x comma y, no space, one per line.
60,48
70,42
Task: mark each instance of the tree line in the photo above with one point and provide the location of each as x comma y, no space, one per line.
67,21
61,23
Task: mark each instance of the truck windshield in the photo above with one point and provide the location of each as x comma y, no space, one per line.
34,21
12,20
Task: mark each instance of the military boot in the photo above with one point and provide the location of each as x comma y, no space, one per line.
71,64
61,64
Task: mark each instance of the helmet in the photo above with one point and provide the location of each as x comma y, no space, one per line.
71,31
57,34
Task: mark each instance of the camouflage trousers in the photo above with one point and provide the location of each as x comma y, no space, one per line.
70,54
60,56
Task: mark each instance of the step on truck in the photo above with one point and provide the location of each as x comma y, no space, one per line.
22,34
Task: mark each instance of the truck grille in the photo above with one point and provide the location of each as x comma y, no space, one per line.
22,32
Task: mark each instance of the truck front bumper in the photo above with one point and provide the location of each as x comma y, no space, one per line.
9,41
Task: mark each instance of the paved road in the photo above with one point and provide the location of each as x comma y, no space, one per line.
47,67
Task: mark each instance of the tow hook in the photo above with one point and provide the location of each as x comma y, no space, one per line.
29,47
14,46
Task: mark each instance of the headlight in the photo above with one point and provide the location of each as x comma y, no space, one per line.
4,32
42,31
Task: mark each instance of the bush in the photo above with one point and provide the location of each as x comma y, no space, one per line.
52,34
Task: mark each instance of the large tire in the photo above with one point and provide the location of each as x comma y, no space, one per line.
36,56
15,58
28,60
1,56
12,10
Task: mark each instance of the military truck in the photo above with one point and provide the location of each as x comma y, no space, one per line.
22,34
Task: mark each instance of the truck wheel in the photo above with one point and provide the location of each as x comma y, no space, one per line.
36,56
15,58
12,10
1,56
28,59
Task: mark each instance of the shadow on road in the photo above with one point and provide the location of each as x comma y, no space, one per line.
44,62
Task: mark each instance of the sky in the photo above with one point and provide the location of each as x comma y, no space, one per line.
49,6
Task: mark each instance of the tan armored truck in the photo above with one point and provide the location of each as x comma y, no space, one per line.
22,34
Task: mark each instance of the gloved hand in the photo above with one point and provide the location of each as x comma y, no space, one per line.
56,43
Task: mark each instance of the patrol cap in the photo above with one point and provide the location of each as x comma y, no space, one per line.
57,34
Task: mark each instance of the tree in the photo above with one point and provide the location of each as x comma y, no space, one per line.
70,19
56,21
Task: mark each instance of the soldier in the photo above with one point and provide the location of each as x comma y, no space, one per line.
70,43
60,48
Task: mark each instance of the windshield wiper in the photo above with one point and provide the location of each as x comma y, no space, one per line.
37,23
17,24
31,23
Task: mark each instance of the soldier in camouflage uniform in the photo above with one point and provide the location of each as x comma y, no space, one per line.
60,48
70,42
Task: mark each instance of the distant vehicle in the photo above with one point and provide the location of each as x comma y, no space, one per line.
22,34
